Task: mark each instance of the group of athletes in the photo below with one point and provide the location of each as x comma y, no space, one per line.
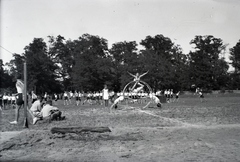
168,93
7,100
81,98
105,96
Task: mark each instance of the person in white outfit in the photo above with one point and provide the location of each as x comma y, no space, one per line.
136,79
19,96
119,99
36,109
105,94
51,111
154,100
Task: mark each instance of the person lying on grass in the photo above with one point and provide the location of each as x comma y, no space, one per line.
50,111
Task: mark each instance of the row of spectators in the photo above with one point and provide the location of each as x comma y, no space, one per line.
9,100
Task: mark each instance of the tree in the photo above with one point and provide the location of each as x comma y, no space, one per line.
157,58
16,65
180,67
6,80
206,65
61,53
40,68
235,58
124,58
92,67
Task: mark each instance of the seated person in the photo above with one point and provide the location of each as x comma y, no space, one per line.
36,109
50,111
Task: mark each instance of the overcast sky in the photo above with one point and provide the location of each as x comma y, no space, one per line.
116,20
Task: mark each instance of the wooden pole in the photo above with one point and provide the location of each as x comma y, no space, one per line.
25,124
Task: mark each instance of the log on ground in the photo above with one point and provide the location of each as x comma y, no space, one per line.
64,130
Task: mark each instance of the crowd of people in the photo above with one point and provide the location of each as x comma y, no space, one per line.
103,97
7,100
168,93
78,98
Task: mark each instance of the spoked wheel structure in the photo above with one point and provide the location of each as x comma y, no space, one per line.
134,99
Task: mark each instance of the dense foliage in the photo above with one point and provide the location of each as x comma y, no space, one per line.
87,63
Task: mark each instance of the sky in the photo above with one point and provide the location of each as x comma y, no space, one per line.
116,20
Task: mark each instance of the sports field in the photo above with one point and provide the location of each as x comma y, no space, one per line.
187,130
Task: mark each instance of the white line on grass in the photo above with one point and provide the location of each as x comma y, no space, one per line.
164,118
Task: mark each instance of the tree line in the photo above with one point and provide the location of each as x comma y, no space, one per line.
86,64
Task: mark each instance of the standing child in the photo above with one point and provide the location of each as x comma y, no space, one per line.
5,100
76,94
70,97
201,96
105,95
65,98
20,102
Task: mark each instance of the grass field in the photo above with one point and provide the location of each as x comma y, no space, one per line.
187,130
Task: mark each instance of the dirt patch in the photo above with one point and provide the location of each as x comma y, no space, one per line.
128,144
6,136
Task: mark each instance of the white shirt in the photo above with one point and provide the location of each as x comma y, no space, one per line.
155,99
13,98
79,95
46,110
36,106
5,97
121,98
105,94
34,96
19,86
9,97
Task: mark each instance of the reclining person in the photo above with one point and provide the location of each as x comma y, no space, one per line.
50,111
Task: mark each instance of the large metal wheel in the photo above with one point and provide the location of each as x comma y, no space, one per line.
135,100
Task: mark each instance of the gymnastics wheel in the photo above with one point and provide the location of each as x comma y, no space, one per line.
133,100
